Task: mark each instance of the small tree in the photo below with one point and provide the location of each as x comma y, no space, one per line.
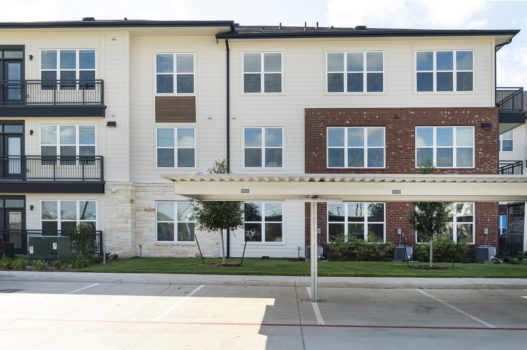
218,216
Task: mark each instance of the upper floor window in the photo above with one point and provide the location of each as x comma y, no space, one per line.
263,147
360,220
355,147
506,141
175,222
67,140
175,73
176,146
460,224
262,72
67,66
263,222
445,147
66,215
355,72
444,70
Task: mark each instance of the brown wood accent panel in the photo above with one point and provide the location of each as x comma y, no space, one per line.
175,109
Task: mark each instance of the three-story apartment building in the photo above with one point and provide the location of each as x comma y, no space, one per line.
94,113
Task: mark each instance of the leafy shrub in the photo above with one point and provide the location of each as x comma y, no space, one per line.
82,241
57,264
20,264
511,260
6,263
79,261
114,256
445,250
358,250
97,259
40,265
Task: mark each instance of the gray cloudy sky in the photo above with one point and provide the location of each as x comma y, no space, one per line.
450,14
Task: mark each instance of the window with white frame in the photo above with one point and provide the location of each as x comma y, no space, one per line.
360,220
355,71
176,147
445,147
65,216
175,222
460,225
175,73
355,147
263,147
263,222
438,71
506,141
262,72
67,66
67,141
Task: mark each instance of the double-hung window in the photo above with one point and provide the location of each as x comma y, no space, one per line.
262,72
175,222
65,216
68,67
263,222
176,147
67,142
506,141
460,224
263,147
438,71
355,72
445,147
360,220
355,147
175,73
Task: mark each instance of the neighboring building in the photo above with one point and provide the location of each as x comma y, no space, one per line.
151,98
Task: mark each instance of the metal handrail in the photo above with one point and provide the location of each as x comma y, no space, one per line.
515,168
52,92
511,98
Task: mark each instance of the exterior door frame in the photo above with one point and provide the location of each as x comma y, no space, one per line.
4,222
3,87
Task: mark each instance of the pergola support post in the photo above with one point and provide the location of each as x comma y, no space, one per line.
314,251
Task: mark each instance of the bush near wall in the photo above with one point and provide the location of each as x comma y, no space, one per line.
445,250
358,250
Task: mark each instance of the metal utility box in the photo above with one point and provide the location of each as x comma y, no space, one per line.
485,253
403,253
320,252
50,248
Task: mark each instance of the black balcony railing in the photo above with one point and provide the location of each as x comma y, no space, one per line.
19,238
52,92
510,246
52,168
509,99
511,168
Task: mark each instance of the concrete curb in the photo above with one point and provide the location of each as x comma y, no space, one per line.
279,281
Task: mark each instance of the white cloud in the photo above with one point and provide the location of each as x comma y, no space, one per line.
512,66
407,13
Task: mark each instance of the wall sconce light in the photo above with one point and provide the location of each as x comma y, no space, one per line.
30,132
31,207
486,125
111,124
31,57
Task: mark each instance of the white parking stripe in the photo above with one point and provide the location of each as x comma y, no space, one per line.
78,290
179,302
457,309
316,309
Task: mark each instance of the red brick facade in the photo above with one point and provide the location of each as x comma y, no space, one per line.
400,124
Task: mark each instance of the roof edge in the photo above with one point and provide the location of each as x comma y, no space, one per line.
115,23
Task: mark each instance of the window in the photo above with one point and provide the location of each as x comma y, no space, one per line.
175,73
65,216
263,147
444,70
360,220
262,72
263,222
175,222
355,72
461,222
445,147
176,146
355,147
67,141
506,141
68,66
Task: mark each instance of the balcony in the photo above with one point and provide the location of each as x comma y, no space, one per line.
512,110
51,174
52,98
511,168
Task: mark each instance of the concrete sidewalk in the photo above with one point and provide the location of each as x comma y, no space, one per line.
285,281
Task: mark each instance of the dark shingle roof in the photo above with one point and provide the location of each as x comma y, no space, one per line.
92,23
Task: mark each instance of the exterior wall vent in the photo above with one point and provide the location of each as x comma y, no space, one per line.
361,27
88,19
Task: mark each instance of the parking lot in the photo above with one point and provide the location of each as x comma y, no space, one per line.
114,315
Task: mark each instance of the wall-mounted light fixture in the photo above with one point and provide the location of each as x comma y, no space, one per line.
31,57
31,207
30,132
111,124
486,125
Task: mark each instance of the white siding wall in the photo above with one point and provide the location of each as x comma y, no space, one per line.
519,146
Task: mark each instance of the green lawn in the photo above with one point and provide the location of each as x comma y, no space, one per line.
284,267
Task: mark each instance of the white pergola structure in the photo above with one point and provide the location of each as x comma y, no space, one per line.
349,188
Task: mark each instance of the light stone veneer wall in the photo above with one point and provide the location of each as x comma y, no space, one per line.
118,219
